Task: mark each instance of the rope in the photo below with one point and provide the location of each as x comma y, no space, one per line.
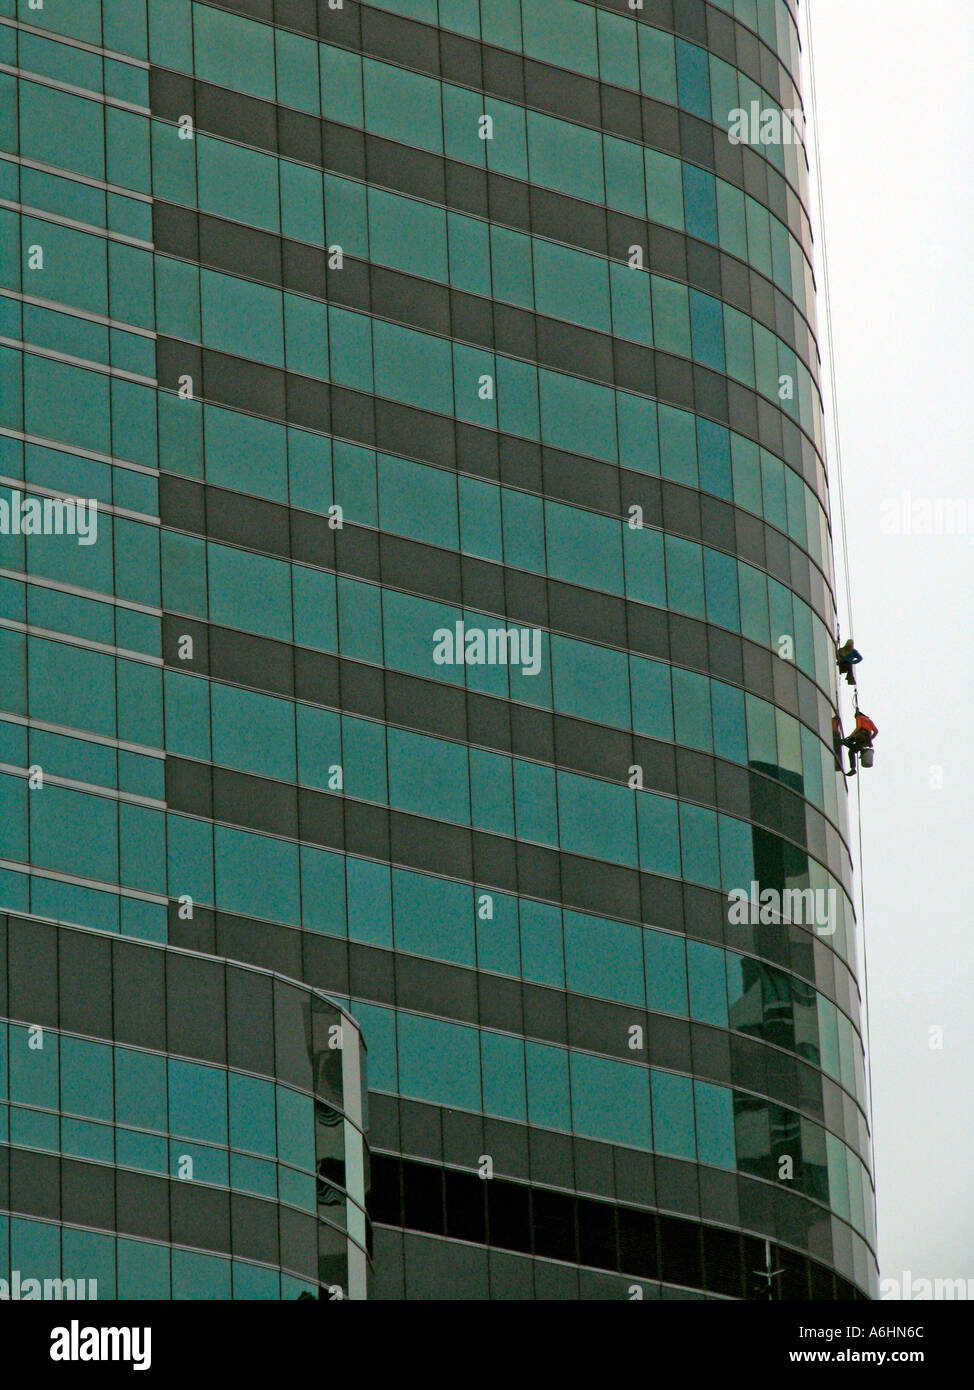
837,439
827,299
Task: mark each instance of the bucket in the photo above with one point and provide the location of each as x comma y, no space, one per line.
866,757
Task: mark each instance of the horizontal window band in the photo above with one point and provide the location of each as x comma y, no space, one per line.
439,989
70,41
377,422
436,307
508,865
59,1187
633,1242
106,234
75,451
89,94
69,638
590,103
149,996
469,717
93,884
75,177
87,788
452,576
51,354
704,25
295,807
499,198
66,731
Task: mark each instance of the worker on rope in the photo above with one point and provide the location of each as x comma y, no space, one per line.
847,659
860,742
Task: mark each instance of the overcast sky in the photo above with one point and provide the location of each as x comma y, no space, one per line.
896,125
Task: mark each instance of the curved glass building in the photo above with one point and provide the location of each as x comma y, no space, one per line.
174,1126
416,581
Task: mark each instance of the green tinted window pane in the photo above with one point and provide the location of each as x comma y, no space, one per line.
61,130
610,1101
714,1108
439,1061
542,950
295,1128
684,576
673,1124
652,703
504,1083
708,989
596,818
408,235
418,502
590,682
341,85
730,730
659,843
566,157
401,105
583,548
603,958
666,972
563,35
645,570
428,776
497,933
197,1101
434,917
691,707
618,50
491,792
237,183
657,62
549,1103
302,210
413,367
255,1282
664,188
256,875
252,1123
571,286
577,415
297,71
369,902
197,1276
671,316
245,453
140,1089
86,1078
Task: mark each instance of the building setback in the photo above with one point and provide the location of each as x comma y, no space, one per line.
456,640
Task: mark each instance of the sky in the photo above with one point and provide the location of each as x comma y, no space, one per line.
896,130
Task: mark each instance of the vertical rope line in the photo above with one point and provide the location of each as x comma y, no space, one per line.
827,301
833,393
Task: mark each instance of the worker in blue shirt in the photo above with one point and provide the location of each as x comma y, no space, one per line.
847,659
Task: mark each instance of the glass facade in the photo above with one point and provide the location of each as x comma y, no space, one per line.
457,631
175,1126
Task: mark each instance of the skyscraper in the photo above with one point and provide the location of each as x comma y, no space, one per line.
443,616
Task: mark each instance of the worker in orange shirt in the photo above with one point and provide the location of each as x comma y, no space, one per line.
860,742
